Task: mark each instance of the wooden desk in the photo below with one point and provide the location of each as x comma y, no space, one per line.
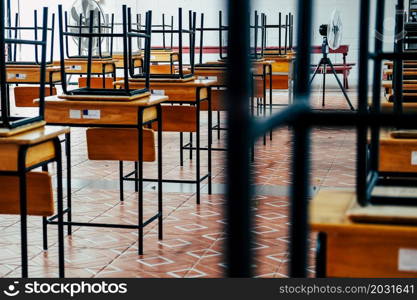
166,56
119,58
351,249
115,114
27,74
20,154
387,106
407,84
407,64
100,67
17,74
397,154
408,72
184,118
207,72
282,69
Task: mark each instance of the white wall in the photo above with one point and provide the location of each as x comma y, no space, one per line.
322,11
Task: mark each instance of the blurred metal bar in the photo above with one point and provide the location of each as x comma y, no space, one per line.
301,148
239,191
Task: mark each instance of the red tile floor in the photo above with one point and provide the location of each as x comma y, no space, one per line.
193,235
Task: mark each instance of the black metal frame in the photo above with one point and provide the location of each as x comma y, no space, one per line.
91,28
259,24
301,118
139,27
324,63
14,31
21,173
164,26
7,121
254,51
139,184
288,28
180,31
128,34
199,178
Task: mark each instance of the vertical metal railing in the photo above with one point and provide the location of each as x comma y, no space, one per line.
239,191
243,130
301,148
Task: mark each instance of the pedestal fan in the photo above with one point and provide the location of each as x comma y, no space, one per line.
332,38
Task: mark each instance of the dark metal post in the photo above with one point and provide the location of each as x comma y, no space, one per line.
3,88
362,143
238,243
301,149
61,50
398,62
43,63
376,91
201,39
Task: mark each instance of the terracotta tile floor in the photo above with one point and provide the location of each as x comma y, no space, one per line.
193,235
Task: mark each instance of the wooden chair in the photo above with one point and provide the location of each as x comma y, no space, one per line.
25,95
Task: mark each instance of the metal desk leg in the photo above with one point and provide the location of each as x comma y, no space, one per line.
136,178
61,260
160,183
321,255
69,184
140,193
45,222
210,140
191,146
23,211
121,183
181,149
104,75
198,152
218,125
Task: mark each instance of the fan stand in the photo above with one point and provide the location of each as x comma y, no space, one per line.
324,62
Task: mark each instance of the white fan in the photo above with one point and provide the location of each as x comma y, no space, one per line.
334,31
80,16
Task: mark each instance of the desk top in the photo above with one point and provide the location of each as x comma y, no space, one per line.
147,101
35,136
279,58
387,106
85,61
409,84
406,63
329,213
407,71
158,84
49,68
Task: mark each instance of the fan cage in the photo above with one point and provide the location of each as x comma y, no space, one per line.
128,35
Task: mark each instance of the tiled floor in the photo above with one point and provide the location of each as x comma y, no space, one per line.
193,235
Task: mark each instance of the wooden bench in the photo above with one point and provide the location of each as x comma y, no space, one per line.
354,249
398,152
340,68
25,95
39,190
111,144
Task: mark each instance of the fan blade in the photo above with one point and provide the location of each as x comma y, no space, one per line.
85,4
96,13
75,15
